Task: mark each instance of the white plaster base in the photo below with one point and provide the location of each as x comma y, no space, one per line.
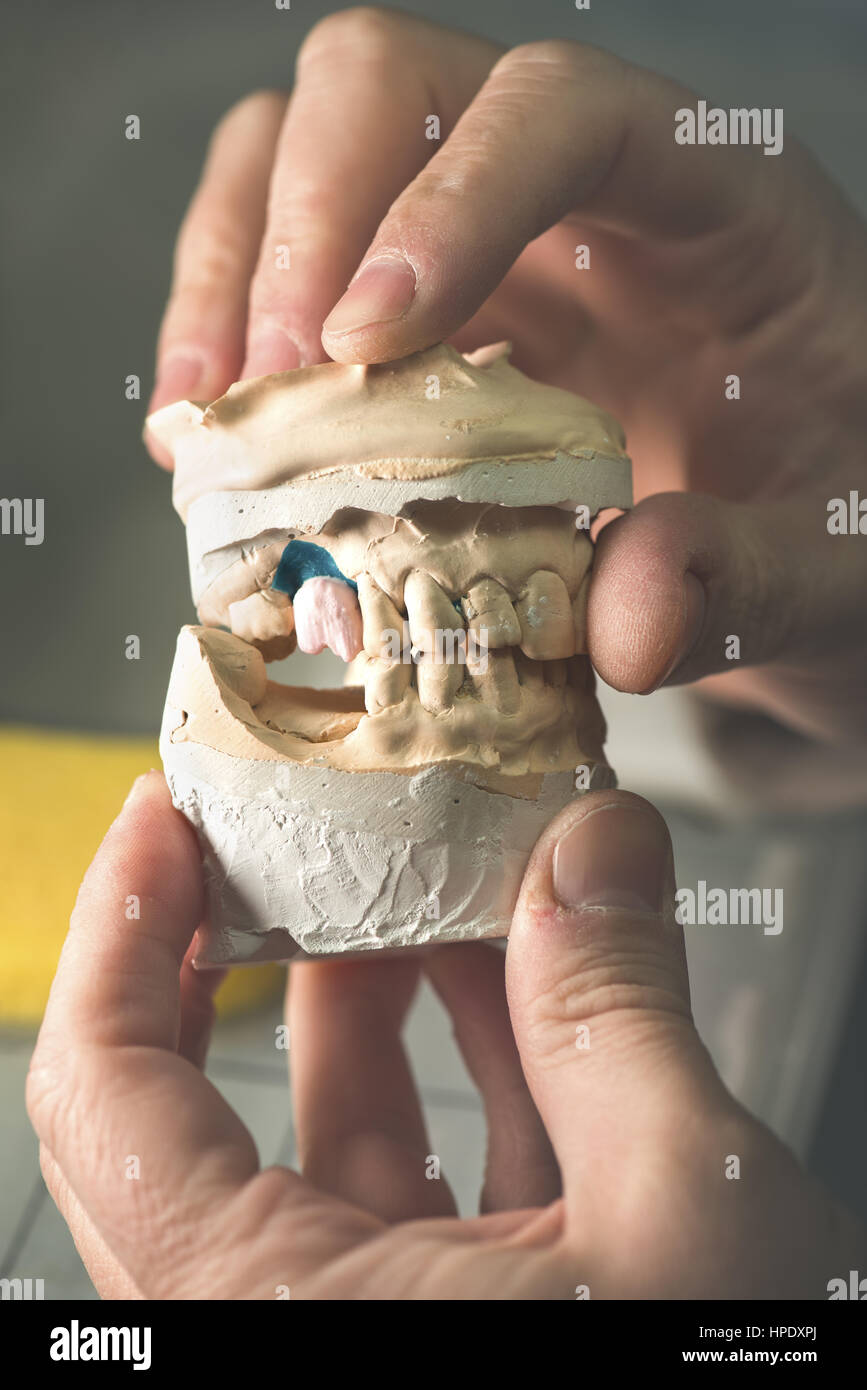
303,861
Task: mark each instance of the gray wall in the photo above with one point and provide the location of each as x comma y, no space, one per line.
88,222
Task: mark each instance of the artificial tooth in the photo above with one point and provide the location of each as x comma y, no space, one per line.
494,680
327,615
545,614
579,613
386,631
431,613
488,608
385,683
438,682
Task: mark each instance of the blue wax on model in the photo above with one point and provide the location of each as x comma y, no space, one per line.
302,560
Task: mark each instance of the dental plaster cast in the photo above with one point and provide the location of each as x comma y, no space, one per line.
428,520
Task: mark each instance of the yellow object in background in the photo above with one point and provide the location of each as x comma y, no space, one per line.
58,795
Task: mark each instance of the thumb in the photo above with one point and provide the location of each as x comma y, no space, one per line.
599,995
686,586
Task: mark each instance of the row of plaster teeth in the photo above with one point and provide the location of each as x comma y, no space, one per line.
507,682
542,627
544,622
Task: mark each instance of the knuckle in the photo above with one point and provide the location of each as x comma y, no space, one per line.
310,211
270,301
622,994
559,60
211,254
425,217
185,312
366,31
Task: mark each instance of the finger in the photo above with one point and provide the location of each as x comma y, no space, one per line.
198,1010
355,135
110,1279
599,995
557,127
682,575
146,1143
201,342
521,1169
139,905
359,1122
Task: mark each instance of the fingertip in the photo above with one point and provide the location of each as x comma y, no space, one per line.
347,351
149,852
149,806
189,372
271,349
617,855
639,617
385,342
148,785
554,881
382,291
694,613
158,452
182,374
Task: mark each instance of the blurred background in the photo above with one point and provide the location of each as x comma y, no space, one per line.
88,225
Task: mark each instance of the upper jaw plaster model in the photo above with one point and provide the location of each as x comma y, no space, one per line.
418,517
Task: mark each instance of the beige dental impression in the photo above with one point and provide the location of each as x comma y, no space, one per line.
455,493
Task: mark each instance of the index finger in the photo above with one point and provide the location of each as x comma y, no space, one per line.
356,133
201,342
559,128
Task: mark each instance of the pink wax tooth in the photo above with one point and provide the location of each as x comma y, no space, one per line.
327,615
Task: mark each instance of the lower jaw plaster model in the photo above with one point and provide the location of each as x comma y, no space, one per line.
428,520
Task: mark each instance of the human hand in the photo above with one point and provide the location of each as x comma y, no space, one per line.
705,262
641,1126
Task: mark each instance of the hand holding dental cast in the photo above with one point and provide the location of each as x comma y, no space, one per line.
609,1166
705,262
432,544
